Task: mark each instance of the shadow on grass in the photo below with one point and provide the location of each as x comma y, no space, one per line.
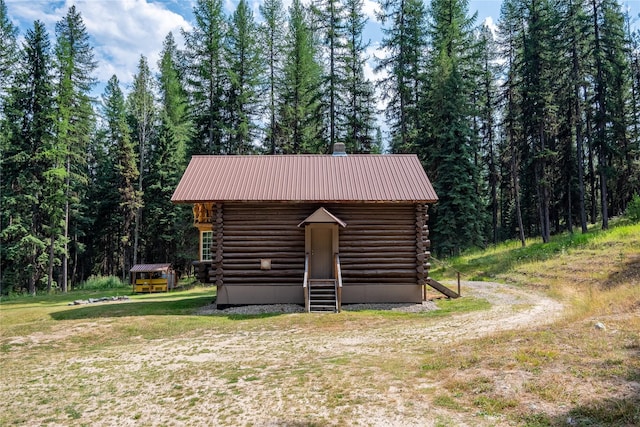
621,411
605,412
182,306
166,306
630,270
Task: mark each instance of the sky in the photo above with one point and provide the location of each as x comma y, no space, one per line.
122,30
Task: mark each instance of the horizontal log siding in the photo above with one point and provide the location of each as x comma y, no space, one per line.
378,246
382,244
263,231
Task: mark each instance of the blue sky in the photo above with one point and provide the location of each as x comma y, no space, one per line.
122,30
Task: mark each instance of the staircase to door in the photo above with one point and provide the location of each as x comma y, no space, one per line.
322,295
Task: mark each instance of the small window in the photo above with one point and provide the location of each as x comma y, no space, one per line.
206,240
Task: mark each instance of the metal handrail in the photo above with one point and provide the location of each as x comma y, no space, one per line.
338,283
305,283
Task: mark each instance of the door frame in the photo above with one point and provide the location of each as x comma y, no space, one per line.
335,244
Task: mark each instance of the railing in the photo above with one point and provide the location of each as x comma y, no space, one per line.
338,271
305,283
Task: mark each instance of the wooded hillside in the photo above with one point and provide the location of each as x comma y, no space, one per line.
530,130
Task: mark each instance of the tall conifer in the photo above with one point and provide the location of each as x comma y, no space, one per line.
126,171
330,21
273,32
142,115
448,147
168,225
245,80
357,120
404,40
300,126
31,170
75,65
206,76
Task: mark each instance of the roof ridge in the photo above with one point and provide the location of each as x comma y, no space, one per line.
304,155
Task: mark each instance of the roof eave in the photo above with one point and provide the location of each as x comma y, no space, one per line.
182,202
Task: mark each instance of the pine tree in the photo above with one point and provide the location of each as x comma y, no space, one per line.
357,119
487,103
126,172
168,224
458,223
300,127
8,49
142,114
634,137
405,41
576,30
615,150
206,77
74,67
103,201
510,44
539,113
31,168
245,78
329,17
274,18
609,90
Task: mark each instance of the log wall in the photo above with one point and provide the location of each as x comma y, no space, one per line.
383,246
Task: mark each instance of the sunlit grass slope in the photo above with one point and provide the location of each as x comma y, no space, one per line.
598,272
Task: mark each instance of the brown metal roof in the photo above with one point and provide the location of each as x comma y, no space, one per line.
305,178
143,268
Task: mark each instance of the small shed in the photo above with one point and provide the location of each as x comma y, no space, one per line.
318,230
152,278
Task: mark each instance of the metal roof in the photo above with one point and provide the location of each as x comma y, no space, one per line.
143,268
305,178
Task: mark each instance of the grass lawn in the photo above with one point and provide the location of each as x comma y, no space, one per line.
153,360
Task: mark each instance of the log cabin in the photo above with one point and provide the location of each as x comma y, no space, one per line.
318,230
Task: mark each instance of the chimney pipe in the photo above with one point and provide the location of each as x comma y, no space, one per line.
339,149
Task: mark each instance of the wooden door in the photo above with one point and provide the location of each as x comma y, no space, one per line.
321,260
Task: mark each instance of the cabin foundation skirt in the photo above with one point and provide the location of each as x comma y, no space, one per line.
382,293
259,294
290,294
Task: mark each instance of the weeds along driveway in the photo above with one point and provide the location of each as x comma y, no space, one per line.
289,370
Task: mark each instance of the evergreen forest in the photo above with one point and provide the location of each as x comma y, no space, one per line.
530,129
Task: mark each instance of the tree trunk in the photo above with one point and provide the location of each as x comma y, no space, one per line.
600,119
577,120
516,192
65,255
50,272
580,159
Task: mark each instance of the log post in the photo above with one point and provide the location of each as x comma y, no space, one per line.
420,249
219,227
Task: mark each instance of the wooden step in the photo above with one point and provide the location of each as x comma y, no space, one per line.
442,288
322,295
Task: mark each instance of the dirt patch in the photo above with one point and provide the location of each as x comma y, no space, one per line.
310,369
512,308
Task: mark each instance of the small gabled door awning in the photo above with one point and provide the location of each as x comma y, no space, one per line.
322,216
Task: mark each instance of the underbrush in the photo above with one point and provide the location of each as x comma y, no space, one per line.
94,283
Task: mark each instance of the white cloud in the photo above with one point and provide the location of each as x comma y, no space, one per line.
120,30
125,29
488,21
369,8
